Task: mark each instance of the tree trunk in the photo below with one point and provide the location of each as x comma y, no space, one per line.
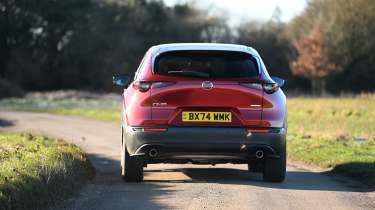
4,44
4,59
318,86
322,87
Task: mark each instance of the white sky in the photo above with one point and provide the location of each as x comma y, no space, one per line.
242,10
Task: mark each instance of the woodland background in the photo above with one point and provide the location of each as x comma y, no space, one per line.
79,44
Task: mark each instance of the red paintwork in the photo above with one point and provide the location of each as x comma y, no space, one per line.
274,110
187,94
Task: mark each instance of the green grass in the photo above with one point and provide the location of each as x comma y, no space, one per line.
106,110
36,172
334,132
333,118
328,132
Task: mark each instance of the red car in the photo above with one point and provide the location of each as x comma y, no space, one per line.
203,104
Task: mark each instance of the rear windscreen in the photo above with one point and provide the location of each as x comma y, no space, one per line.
212,64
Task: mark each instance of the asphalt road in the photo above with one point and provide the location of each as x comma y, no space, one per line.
183,186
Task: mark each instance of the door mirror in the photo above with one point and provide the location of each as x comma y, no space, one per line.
121,80
279,81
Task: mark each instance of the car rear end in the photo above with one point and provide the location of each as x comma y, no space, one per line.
208,105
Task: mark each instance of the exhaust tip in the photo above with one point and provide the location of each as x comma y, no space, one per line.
153,152
259,154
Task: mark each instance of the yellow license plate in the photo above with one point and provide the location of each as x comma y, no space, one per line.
206,117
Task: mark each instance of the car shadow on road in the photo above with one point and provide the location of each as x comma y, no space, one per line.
296,180
107,190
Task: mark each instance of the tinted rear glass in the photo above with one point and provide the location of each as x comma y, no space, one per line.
211,64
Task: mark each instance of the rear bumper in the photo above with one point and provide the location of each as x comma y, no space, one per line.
205,143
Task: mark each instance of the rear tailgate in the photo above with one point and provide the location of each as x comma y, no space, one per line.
172,104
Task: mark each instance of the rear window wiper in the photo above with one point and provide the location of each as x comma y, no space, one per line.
190,73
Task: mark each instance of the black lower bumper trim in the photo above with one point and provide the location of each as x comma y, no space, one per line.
198,141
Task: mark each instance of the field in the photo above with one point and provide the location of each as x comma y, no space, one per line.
36,171
337,133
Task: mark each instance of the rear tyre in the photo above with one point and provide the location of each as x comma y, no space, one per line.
131,167
275,168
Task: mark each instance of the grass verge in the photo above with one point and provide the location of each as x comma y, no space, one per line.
350,158
36,172
337,133
106,110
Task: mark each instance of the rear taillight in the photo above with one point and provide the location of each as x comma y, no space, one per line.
162,84
256,86
267,87
270,87
144,86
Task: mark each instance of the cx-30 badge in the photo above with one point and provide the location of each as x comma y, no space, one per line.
207,85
